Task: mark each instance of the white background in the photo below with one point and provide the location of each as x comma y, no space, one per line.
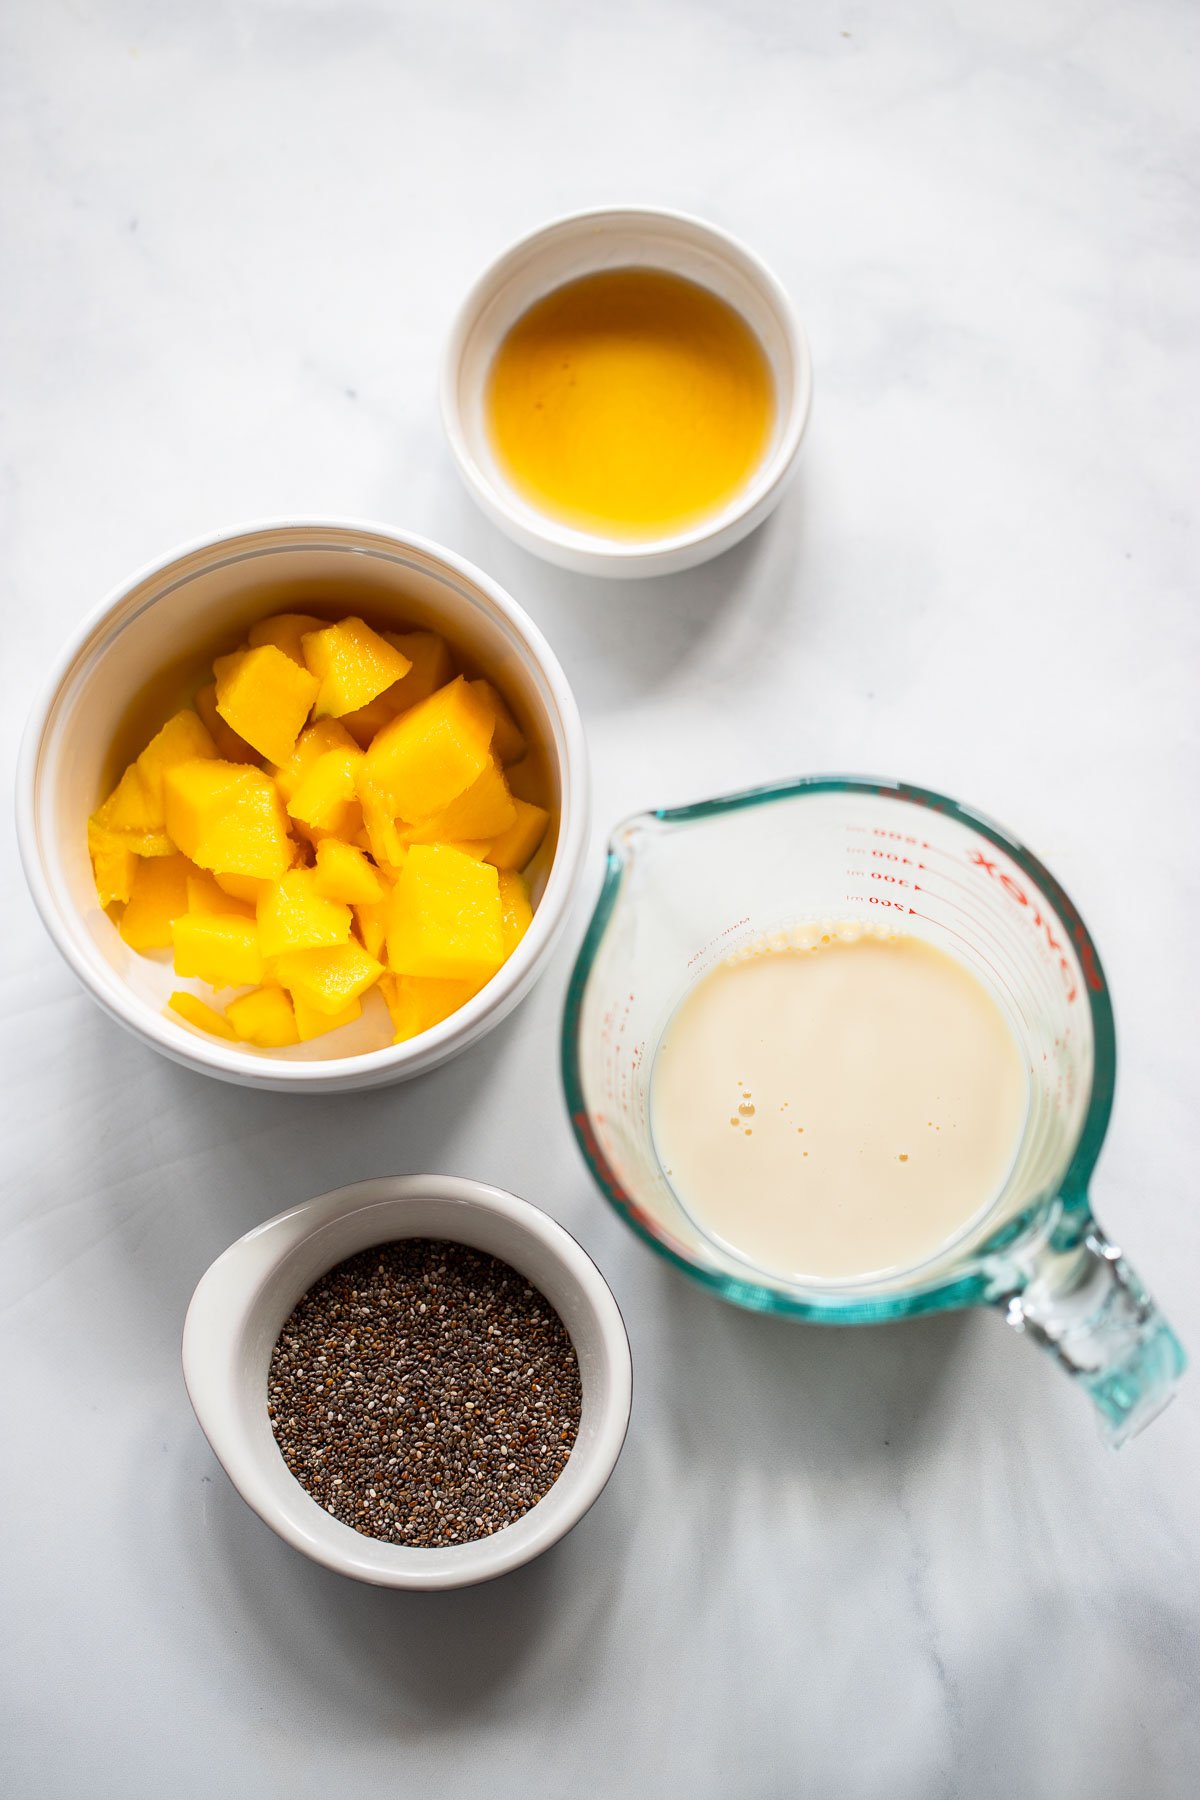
890,1562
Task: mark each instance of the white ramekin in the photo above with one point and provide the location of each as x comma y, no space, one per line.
195,602
239,1307
611,238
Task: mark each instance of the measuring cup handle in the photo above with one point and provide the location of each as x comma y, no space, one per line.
1087,1307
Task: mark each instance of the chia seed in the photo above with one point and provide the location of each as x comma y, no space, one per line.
424,1393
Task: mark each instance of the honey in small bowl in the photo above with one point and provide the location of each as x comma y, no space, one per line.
630,403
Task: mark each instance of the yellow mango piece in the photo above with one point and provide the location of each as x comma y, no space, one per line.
352,664
206,895
343,873
315,741
202,1016
218,948
416,1003
286,631
370,917
264,1017
129,820
227,817
158,897
430,754
311,1022
134,809
432,667
266,698
508,740
514,847
516,912
182,739
326,798
114,870
229,746
243,887
485,810
477,848
293,915
445,918
327,980
379,823
528,780
366,721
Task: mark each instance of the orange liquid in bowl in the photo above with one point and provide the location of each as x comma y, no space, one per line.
630,403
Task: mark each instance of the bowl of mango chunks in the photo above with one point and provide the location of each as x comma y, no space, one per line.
305,804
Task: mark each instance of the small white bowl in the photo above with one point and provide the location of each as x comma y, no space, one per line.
112,686
614,238
240,1306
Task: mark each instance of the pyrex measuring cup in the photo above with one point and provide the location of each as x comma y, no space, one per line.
687,887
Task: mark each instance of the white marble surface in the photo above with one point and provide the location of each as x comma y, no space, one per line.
892,1562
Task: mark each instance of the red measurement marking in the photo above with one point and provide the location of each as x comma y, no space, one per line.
883,875
900,837
1016,892
896,856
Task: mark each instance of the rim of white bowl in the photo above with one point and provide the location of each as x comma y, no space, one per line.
223,1306
527,519
371,1067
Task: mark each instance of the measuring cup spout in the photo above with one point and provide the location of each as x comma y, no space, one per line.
1086,1306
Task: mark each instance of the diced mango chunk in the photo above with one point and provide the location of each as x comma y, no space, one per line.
242,887
158,896
227,817
379,823
182,739
516,912
528,779
326,798
129,820
229,746
266,698
508,740
430,754
219,948
312,1022
371,918
514,847
416,1003
344,873
206,895
132,818
431,665
352,664
198,1013
484,810
445,918
265,1017
293,915
328,980
286,631
114,869
315,741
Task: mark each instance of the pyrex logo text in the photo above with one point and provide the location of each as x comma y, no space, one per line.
1016,892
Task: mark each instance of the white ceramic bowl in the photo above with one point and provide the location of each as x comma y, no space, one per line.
243,1300
112,687
611,238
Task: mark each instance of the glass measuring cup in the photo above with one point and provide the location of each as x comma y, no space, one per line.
686,888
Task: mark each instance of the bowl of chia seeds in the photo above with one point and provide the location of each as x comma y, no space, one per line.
419,1381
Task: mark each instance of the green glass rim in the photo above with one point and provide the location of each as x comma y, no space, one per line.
967,1286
